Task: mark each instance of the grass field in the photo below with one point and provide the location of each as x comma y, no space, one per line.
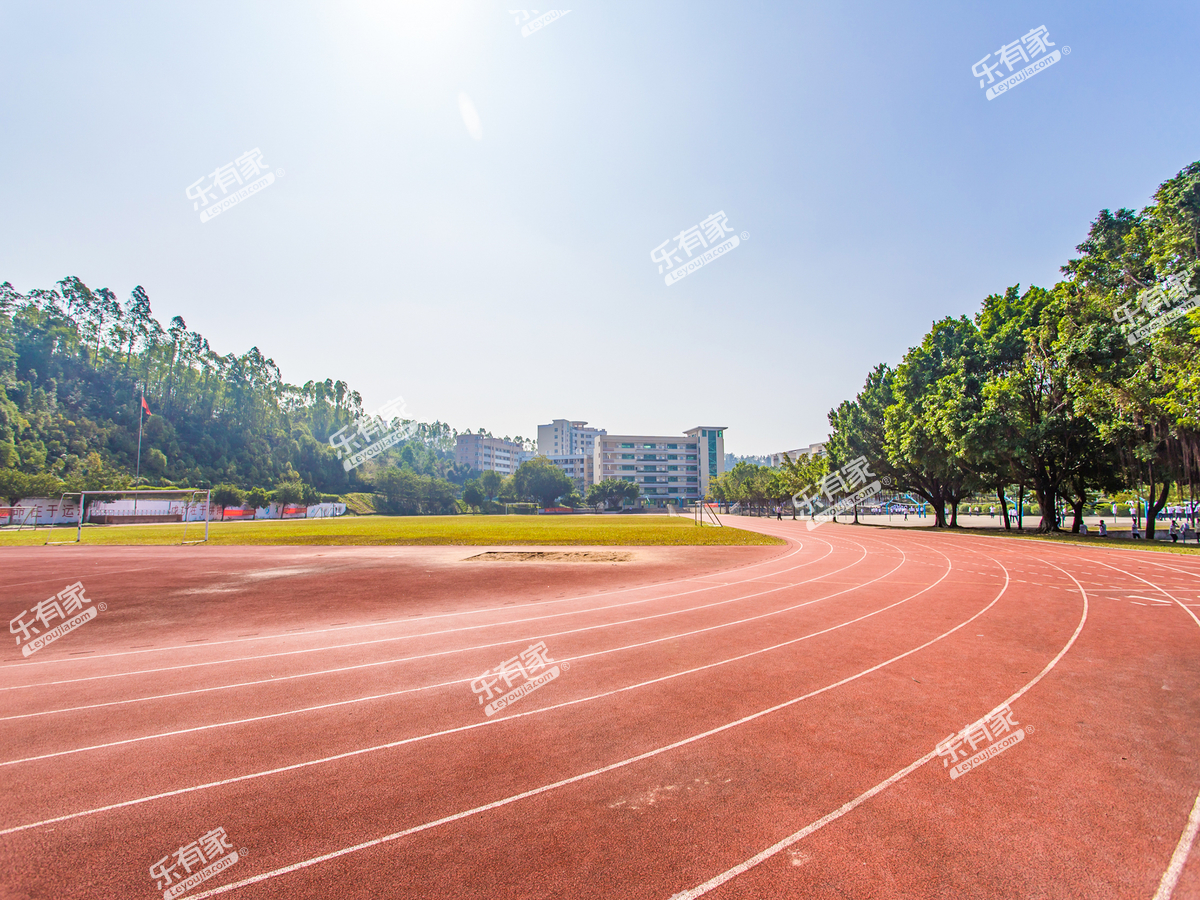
625,531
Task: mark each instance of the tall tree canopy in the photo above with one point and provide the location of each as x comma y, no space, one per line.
1048,389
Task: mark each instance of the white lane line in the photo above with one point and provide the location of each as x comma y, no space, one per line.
411,637
799,547
403,659
1183,848
791,839
462,728
388,640
356,700
1170,878
577,778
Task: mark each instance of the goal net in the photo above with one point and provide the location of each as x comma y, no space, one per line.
18,515
143,507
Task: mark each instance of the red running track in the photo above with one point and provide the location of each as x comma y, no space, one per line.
726,722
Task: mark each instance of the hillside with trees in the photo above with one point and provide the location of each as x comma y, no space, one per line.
75,363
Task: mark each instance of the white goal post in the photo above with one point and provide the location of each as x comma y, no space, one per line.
189,495
18,515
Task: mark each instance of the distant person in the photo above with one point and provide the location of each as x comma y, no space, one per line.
1137,535
1103,529
779,513
1083,528
906,515
1174,532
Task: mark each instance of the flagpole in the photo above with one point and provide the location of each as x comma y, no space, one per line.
141,415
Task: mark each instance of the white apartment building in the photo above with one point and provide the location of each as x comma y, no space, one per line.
668,468
570,445
811,450
489,453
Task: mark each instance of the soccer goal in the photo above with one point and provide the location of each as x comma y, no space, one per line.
177,503
17,515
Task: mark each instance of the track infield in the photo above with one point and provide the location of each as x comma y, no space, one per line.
612,530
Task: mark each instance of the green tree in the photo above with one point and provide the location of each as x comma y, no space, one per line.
612,492
508,490
288,493
226,495
257,498
490,481
541,480
402,490
473,494
800,476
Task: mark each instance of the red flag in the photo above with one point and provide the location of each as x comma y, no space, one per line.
146,406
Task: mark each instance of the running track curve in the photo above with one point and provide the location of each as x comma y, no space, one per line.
725,722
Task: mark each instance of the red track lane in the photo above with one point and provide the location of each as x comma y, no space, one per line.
735,722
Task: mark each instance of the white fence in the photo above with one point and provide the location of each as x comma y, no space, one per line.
52,511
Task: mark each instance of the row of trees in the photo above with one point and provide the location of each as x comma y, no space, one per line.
758,487
1042,390
536,480
541,481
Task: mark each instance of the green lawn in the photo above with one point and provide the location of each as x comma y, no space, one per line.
638,530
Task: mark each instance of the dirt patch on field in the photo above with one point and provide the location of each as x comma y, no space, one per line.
552,556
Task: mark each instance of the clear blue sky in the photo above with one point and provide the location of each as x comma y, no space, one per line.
505,281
